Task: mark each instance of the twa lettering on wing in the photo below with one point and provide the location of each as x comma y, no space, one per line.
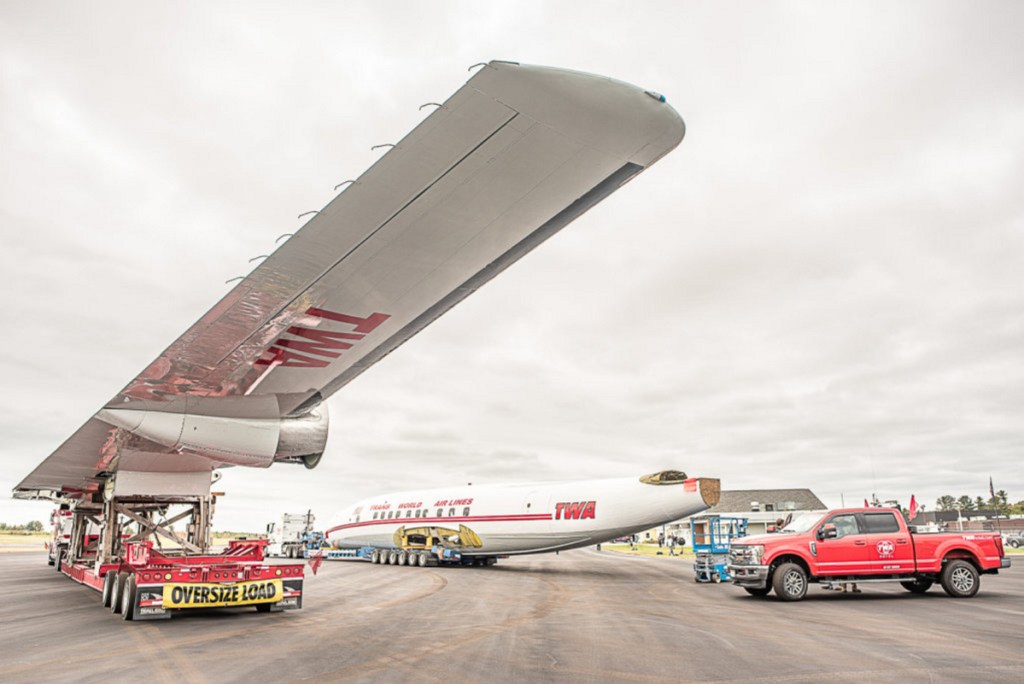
302,347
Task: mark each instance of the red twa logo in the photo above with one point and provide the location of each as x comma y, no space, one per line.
313,348
575,510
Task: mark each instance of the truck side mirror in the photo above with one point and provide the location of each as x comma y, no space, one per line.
828,531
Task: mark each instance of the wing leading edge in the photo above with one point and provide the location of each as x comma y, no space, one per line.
513,156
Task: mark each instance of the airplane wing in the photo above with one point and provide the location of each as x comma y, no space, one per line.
512,157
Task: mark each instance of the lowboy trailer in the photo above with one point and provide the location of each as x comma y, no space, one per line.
142,579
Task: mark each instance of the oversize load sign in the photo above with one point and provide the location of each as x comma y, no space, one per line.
219,595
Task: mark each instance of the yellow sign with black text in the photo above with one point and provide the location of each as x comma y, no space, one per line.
220,595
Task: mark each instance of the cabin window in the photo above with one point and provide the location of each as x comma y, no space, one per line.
375,515
881,523
418,512
465,511
846,524
408,513
390,514
440,512
451,512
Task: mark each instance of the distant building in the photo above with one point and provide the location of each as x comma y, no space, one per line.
763,509
981,520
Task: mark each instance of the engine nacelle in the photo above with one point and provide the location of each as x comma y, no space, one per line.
240,434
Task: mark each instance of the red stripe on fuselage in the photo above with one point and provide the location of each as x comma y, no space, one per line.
463,519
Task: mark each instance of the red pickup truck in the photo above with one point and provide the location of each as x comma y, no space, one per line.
861,545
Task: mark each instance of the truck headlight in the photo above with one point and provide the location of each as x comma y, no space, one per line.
747,554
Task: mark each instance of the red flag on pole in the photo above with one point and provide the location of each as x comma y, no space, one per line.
913,508
866,504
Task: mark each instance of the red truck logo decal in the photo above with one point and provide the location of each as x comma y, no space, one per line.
575,510
885,548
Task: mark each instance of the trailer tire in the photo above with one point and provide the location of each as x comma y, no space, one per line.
789,582
917,586
960,579
758,591
422,559
402,558
128,599
108,587
412,558
118,589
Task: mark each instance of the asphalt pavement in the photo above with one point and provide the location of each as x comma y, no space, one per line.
578,616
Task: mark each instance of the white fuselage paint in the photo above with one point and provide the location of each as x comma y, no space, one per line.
521,518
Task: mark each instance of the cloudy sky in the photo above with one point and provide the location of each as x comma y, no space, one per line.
822,287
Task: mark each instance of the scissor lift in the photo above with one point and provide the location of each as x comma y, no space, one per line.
712,536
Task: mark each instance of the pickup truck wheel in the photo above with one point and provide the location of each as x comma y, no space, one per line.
917,586
757,591
789,582
960,579
1013,543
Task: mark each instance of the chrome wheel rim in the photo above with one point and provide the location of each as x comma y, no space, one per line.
793,583
962,580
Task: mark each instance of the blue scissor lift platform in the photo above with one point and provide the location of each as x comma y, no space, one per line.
712,536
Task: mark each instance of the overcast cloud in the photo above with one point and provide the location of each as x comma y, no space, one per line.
822,287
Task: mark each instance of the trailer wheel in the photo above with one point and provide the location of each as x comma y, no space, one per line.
789,582
375,556
758,591
118,589
128,599
412,558
108,587
960,579
917,586
422,558
402,558
393,558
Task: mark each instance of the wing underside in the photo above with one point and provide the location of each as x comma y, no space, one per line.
508,160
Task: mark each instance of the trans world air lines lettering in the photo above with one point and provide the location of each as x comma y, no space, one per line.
575,510
315,348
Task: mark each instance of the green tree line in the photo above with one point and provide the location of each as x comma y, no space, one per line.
999,503
31,526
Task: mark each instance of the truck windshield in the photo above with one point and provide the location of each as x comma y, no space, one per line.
802,522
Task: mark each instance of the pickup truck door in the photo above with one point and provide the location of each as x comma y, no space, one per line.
889,546
845,554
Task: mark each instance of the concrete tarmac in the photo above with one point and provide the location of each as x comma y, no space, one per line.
579,616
